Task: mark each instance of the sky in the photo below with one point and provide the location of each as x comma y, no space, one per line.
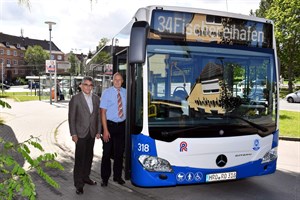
80,24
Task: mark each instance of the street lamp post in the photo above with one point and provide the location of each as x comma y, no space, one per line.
2,75
55,98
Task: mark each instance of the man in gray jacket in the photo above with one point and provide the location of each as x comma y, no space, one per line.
84,124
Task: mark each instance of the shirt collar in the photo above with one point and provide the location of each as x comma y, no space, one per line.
87,95
116,89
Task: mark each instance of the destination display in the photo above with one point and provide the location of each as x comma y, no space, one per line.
210,29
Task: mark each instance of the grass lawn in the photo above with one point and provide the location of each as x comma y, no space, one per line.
289,123
22,96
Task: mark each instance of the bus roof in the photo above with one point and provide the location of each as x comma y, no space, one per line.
144,13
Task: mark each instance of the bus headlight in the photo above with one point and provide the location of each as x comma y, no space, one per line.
155,164
270,155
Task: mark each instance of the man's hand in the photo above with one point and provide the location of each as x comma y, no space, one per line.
98,135
75,138
106,136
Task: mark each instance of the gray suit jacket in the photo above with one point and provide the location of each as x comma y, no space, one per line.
81,121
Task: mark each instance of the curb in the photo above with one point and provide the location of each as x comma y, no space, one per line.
289,139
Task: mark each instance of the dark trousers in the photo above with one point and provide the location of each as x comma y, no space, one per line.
113,149
84,153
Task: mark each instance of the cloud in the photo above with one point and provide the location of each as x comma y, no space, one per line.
81,24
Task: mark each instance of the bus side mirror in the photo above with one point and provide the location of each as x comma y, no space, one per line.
137,48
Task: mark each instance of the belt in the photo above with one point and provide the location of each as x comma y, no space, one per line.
111,123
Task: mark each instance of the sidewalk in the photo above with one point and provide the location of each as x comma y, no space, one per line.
49,123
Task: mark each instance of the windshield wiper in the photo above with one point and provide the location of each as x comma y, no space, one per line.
177,132
257,126
172,133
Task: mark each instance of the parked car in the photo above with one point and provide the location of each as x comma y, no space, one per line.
64,83
238,92
33,84
293,97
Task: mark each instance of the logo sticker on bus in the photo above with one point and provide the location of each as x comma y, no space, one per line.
256,145
189,176
198,176
180,177
183,146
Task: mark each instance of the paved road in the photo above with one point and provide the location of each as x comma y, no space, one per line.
49,122
284,105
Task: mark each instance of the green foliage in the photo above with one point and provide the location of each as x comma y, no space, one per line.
264,5
15,180
21,81
285,14
238,72
4,104
102,57
103,42
36,56
24,96
74,67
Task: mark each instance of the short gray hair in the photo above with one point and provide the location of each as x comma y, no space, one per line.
117,74
87,78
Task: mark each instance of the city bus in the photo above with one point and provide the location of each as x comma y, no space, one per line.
185,122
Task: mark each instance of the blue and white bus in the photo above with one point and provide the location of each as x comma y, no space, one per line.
186,123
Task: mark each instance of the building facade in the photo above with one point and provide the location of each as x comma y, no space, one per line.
12,52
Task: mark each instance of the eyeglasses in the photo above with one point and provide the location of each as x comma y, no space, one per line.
87,85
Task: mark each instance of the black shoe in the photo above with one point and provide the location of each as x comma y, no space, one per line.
90,182
79,191
104,183
119,180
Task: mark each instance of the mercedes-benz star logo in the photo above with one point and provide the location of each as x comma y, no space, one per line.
221,160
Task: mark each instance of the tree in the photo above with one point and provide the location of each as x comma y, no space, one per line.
264,5
81,66
102,57
103,42
72,59
90,55
35,56
286,17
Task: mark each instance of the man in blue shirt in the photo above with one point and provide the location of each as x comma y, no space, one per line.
113,115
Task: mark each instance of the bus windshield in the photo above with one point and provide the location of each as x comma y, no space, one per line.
210,91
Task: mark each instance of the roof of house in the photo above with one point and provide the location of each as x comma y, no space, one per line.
10,40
